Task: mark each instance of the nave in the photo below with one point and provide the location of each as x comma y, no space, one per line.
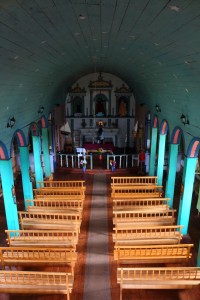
100,229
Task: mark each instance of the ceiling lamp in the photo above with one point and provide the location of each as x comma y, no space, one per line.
158,109
184,120
11,122
41,109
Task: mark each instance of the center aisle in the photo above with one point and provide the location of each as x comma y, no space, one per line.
97,275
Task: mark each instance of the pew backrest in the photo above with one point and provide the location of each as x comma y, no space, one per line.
62,184
47,204
14,256
30,282
152,253
128,217
123,192
134,203
158,278
69,193
145,235
42,238
134,180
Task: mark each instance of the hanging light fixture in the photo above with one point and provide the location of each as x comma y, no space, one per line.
11,122
41,109
158,109
184,119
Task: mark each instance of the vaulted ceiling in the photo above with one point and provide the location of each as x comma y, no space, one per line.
153,45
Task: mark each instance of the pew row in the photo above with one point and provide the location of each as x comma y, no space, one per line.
158,278
79,184
32,256
147,235
152,254
42,238
25,282
127,192
57,205
70,193
148,203
50,221
134,180
137,218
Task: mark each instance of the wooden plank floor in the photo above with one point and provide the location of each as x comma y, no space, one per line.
68,174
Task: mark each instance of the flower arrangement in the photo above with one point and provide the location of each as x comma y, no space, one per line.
83,162
100,150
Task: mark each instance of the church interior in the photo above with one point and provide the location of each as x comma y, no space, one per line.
100,150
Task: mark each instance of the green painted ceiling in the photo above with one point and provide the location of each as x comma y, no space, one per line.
45,45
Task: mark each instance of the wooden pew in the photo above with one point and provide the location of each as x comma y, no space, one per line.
79,184
42,238
147,203
137,218
133,180
147,235
34,256
50,221
158,278
53,205
30,282
127,192
69,193
152,254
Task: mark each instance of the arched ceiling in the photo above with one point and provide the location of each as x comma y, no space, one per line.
154,45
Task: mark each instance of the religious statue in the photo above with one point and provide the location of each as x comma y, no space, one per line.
122,108
100,107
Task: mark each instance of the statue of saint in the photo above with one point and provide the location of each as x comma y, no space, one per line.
100,107
122,108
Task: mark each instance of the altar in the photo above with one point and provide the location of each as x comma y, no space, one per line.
89,135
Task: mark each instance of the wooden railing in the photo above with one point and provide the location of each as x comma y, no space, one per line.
134,180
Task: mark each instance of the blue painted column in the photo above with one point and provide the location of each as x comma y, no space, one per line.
198,257
154,134
26,183
9,201
185,203
37,160
45,147
169,191
161,158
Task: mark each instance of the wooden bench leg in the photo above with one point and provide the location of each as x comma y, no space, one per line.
121,290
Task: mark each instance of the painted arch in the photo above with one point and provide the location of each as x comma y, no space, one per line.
163,127
3,152
193,148
155,122
20,137
176,135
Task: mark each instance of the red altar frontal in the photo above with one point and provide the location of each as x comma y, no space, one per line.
107,147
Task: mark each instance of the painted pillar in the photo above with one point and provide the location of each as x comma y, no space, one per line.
45,147
37,160
169,191
26,183
9,200
161,158
198,257
185,203
153,151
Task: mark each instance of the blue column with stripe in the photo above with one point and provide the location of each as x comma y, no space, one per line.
37,159
161,151
189,176
173,156
154,134
9,196
45,148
